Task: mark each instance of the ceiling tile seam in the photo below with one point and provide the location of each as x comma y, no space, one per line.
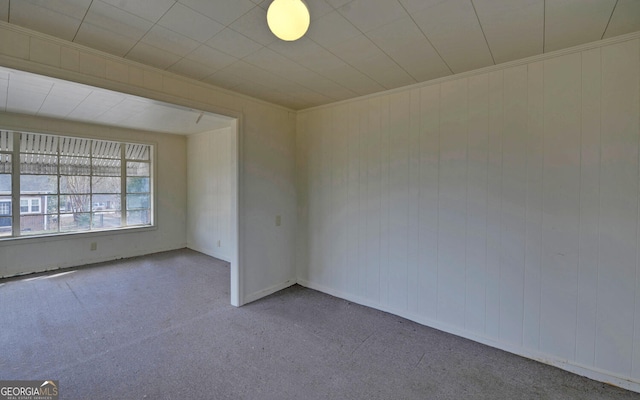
45,99
248,11
204,79
239,33
111,108
148,65
609,20
149,30
301,66
354,67
204,44
315,72
482,30
78,105
428,40
294,82
82,21
544,26
123,11
220,22
375,44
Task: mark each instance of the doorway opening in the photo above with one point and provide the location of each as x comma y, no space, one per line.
58,106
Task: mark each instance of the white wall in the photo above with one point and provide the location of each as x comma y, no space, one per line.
211,162
501,206
38,254
267,144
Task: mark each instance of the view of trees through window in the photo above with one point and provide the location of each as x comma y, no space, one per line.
68,184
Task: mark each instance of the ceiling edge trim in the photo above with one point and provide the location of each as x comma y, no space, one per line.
485,70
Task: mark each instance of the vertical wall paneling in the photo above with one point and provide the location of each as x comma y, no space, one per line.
503,206
476,244
514,193
331,167
302,190
452,202
429,166
399,106
363,216
589,207
494,188
560,204
384,200
314,140
353,197
340,193
533,245
414,202
372,269
618,207
326,216
210,164
635,365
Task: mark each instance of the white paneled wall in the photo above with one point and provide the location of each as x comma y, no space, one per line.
501,206
211,189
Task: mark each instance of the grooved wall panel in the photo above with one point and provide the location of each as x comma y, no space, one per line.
560,204
476,245
452,202
502,206
616,288
399,107
533,241
429,171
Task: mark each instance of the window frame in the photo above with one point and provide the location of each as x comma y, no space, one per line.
91,230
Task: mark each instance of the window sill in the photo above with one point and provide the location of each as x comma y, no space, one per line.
8,241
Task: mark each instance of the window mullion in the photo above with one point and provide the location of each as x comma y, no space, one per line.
91,172
15,186
57,185
123,185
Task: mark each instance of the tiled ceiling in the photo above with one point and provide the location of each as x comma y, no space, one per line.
352,48
31,94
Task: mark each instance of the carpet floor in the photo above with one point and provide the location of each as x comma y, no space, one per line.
161,327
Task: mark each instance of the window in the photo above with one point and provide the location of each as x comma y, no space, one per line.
70,184
35,206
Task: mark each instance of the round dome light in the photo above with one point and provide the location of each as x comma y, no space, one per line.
288,19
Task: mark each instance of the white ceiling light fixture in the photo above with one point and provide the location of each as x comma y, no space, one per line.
288,19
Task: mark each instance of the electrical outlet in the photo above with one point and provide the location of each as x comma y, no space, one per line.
278,220
218,243
94,246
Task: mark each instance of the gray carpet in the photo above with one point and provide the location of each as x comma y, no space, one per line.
161,327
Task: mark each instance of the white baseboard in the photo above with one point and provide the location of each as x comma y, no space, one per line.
582,370
95,260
